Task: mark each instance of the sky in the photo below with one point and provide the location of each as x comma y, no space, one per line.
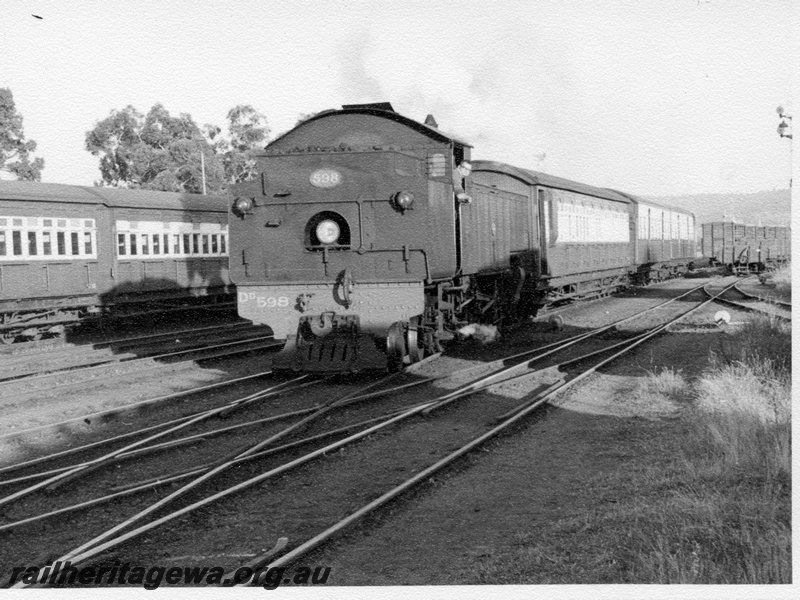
653,97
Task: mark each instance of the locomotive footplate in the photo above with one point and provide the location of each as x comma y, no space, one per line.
329,343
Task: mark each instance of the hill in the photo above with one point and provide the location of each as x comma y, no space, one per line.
771,207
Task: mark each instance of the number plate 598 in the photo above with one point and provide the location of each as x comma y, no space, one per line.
325,178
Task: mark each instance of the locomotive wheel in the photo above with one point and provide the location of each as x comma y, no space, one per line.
415,353
396,347
7,338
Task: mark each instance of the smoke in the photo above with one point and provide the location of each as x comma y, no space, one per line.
355,82
485,334
491,84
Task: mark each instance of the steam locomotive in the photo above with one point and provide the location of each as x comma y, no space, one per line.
369,238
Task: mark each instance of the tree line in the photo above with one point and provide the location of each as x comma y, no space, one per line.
15,151
155,151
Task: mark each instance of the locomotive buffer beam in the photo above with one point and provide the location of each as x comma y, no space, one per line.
329,343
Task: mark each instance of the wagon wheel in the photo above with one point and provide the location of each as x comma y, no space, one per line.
7,337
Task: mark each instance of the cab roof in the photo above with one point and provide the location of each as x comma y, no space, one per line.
383,110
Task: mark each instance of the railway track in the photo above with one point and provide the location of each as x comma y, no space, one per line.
17,385
10,344
502,374
20,366
736,297
86,343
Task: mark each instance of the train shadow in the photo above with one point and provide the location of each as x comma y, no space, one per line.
132,317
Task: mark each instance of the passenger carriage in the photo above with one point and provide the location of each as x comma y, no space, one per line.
69,253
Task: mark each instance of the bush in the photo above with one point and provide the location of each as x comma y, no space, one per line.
782,278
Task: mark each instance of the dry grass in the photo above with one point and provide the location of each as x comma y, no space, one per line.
729,519
707,497
782,278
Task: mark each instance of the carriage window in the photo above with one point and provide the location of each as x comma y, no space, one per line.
187,248
222,243
145,243
61,243
87,243
176,243
156,244
166,243
16,241
76,248
121,247
47,243
133,244
2,243
31,243
205,244
195,243
215,244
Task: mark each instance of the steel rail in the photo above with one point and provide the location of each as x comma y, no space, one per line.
275,450
219,467
746,305
78,558
140,370
163,480
112,456
521,411
126,408
264,453
553,349
14,351
11,368
89,551
258,562
127,361
96,549
779,302
168,445
123,341
97,462
346,402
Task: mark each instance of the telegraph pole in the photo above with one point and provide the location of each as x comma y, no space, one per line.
785,131
203,169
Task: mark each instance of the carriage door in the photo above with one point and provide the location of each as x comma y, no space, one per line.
544,231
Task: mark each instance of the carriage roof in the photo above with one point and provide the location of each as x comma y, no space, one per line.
30,191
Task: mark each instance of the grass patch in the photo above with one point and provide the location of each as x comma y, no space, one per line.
701,499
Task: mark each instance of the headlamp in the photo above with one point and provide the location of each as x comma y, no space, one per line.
328,232
242,206
403,200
